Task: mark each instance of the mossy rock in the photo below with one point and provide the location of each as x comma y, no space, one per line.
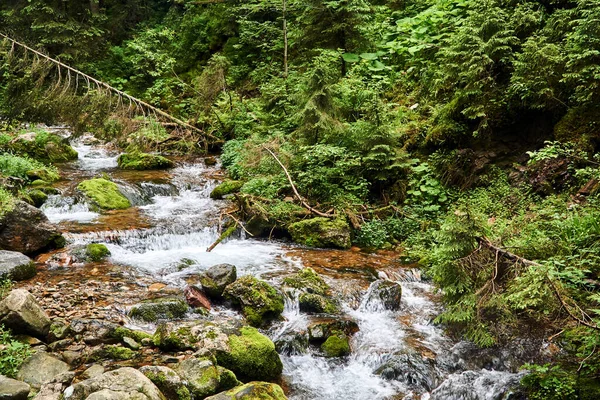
104,194
308,281
35,197
321,232
168,337
97,251
43,146
113,352
163,308
143,161
225,188
320,329
252,391
201,375
251,356
315,303
43,175
215,279
259,301
16,266
168,382
336,345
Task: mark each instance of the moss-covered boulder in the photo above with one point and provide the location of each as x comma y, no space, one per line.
112,352
143,161
259,301
43,146
35,197
336,345
168,381
314,292
169,337
251,355
317,304
225,188
321,328
321,232
16,266
384,295
104,194
252,391
97,251
163,308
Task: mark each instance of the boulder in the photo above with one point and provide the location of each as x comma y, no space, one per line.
216,278
97,251
162,308
41,368
27,230
413,370
321,232
225,188
319,329
202,376
384,295
336,345
104,194
53,390
307,281
94,370
251,356
317,304
16,266
167,381
11,389
123,383
259,301
95,331
143,161
20,312
252,391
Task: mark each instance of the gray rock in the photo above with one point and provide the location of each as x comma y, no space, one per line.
20,312
167,380
41,368
216,278
53,390
156,309
132,344
123,383
202,376
93,371
16,266
95,331
384,294
27,230
11,389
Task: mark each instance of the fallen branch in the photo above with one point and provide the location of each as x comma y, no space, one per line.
139,103
296,194
228,232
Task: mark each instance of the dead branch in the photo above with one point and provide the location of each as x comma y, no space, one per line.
296,194
90,80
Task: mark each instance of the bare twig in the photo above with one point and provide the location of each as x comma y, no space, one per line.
300,198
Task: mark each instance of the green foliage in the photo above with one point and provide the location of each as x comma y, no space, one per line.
26,168
12,353
7,202
547,382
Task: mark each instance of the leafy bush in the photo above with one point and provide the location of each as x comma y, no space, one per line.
12,353
19,166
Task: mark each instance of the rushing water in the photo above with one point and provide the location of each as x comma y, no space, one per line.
395,354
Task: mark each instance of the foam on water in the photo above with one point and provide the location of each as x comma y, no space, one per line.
93,158
58,208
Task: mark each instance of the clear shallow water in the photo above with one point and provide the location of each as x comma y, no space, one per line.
394,354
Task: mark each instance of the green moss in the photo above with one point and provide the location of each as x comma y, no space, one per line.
253,391
35,197
307,280
225,188
7,202
97,252
43,146
26,168
104,193
120,332
251,356
321,232
336,345
143,161
183,393
164,308
315,303
227,379
114,352
260,302
168,339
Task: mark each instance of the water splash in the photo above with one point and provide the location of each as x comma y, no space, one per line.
58,208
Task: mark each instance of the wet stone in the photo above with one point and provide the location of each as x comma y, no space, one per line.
41,368
11,389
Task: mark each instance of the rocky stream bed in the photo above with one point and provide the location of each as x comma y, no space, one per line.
160,317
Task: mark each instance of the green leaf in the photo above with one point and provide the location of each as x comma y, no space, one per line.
350,57
369,56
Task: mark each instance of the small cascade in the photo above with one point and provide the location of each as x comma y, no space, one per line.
477,385
92,158
59,208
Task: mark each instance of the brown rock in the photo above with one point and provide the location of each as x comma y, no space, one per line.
196,298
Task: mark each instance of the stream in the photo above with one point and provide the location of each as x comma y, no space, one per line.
395,354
